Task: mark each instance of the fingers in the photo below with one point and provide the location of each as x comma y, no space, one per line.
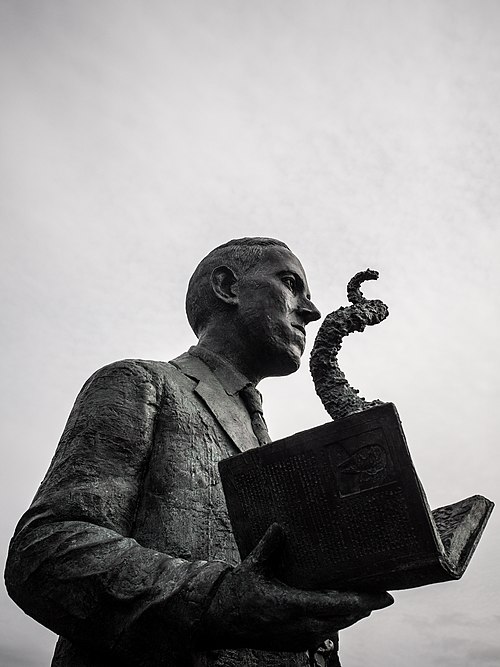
326,604
267,549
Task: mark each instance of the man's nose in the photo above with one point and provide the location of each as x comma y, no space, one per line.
309,312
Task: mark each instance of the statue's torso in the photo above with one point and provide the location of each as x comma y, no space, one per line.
181,510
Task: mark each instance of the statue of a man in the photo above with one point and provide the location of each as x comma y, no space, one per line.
126,551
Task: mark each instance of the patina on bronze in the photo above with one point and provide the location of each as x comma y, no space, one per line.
126,551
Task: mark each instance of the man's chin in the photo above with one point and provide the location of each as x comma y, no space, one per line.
287,363
294,366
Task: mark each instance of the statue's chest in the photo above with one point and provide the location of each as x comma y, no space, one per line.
182,510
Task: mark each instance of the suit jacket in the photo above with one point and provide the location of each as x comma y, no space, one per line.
127,538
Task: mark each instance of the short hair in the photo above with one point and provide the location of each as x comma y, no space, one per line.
239,255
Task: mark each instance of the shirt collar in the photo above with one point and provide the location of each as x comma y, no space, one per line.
230,378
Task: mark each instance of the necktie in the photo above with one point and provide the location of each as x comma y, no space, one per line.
253,401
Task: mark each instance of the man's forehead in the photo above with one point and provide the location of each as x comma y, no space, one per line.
276,256
277,259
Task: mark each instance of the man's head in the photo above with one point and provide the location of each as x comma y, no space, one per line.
240,255
250,297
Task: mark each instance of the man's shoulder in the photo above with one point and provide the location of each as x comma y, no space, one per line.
142,370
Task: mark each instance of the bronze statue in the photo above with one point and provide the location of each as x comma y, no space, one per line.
126,551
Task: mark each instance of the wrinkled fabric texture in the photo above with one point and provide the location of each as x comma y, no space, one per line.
128,537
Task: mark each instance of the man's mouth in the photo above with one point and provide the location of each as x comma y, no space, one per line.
300,328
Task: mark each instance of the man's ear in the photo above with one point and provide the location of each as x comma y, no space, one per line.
225,284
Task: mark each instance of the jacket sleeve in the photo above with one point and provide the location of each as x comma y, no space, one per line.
72,565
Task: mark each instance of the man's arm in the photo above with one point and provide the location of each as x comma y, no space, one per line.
71,565
73,568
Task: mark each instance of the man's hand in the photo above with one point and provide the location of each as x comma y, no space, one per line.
252,609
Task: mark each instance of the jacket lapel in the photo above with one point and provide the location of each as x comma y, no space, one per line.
228,410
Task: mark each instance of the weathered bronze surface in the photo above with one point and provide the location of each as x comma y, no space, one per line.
126,550
335,392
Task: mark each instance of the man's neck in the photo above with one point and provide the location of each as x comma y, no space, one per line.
226,346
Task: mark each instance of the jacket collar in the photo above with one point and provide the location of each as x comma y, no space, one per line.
227,408
230,378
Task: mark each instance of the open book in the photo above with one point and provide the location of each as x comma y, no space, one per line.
353,509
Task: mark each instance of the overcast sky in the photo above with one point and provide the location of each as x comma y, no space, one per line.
136,136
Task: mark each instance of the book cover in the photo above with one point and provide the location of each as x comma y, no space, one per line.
352,507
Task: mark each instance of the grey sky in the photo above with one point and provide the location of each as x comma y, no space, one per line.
136,136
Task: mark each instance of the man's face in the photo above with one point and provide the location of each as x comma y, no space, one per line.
274,307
